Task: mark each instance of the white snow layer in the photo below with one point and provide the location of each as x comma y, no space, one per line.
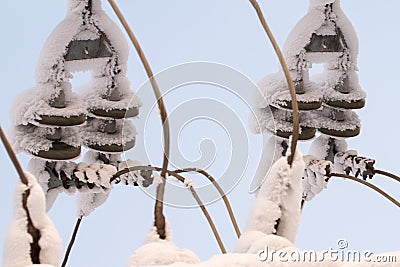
252,260
300,36
17,243
156,251
254,241
126,132
279,198
351,120
275,91
270,120
274,87
68,29
328,80
94,91
30,105
32,139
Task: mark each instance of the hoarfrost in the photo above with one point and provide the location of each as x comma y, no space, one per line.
30,105
71,28
277,207
32,139
94,92
274,87
125,132
313,21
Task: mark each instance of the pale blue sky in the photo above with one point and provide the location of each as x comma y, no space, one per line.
227,32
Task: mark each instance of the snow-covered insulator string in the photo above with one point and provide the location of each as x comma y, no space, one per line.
108,97
326,101
333,42
323,36
53,122
45,119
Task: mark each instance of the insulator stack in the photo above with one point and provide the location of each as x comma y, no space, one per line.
326,101
53,122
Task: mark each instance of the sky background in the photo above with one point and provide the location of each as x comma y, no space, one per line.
227,32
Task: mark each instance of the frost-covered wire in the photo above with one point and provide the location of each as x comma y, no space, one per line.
295,107
373,187
32,230
158,212
221,192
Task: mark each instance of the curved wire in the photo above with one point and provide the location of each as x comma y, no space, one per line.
159,219
31,229
13,157
209,219
388,174
192,190
295,106
220,191
373,187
